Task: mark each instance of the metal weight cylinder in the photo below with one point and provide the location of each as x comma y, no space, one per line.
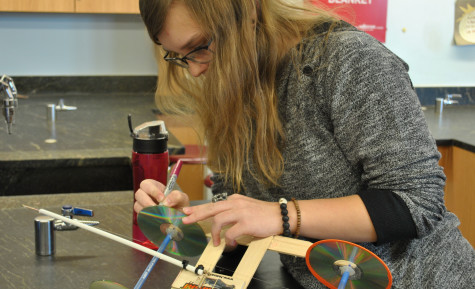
44,236
51,112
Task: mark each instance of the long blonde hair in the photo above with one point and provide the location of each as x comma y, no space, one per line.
236,101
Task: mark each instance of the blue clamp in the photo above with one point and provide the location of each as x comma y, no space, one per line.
69,211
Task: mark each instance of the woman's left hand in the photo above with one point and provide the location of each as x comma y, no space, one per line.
247,216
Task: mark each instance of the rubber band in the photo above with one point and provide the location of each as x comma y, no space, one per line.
199,267
185,263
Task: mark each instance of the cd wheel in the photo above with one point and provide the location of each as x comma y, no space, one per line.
156,222
327,260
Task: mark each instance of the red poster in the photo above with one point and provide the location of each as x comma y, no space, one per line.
366,15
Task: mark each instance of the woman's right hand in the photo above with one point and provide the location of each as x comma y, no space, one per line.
150,193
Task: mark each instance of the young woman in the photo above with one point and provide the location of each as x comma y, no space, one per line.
296,104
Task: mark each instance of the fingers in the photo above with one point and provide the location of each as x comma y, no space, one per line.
151,194
221,221
203,212
153,189
236,211
239,226
176,199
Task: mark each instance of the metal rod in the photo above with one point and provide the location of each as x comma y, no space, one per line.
120,240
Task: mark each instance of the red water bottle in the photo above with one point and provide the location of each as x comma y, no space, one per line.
149,161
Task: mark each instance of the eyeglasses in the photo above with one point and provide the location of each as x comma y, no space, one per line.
201,54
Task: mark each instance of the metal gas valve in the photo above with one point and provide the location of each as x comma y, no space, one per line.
8,95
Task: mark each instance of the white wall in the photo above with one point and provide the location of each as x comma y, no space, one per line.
70,44
74,44
427,45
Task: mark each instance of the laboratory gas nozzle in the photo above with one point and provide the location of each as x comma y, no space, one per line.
8,94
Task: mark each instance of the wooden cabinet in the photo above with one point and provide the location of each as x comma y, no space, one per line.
108,6
63,6
459,167
71,6
191,178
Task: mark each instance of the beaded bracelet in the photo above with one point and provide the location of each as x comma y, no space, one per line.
285,217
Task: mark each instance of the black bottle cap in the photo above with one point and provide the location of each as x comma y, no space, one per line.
151,146
150,137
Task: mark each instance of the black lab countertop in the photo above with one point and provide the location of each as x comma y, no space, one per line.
83,257
454,126
92,147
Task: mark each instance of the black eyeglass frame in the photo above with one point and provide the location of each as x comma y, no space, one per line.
185,58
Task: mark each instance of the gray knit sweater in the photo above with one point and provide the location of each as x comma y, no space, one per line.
353,122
